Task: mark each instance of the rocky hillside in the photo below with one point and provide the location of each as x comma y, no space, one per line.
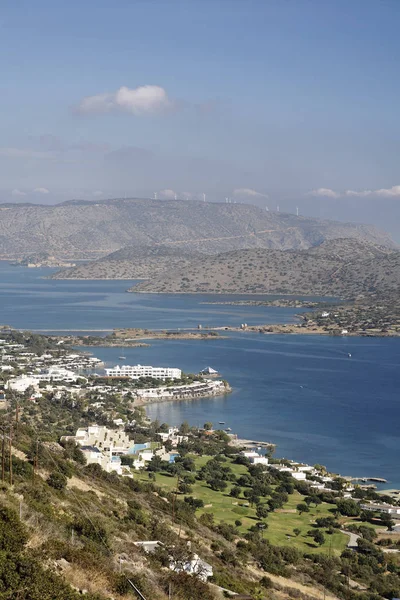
344,268
132,262
80,229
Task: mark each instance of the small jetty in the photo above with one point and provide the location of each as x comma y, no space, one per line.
365,479
250,443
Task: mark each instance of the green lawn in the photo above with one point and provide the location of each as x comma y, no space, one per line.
280,524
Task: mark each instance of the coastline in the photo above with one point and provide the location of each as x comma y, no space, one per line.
211,393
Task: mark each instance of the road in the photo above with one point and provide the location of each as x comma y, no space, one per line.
353,537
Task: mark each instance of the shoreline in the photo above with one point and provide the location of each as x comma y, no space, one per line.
194,396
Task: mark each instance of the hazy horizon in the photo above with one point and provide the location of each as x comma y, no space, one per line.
267,102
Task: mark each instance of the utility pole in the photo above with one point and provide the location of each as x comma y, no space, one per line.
16,420
10,455
3,454
35,461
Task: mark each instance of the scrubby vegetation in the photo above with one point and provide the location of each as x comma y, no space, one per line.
67,527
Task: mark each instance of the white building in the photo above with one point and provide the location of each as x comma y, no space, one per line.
99,436
254,457
383,508
299,475
106,460
57,374
136,371
22,383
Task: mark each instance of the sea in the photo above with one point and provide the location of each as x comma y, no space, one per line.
302,392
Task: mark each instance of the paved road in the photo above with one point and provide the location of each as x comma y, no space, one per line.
353,537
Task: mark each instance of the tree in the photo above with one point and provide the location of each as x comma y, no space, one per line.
168,445
156,464
262,511
302,508
184,428
184,488
207,519
218,485
319,537
13,535
387,521
58,481
348,507
235,491
208,426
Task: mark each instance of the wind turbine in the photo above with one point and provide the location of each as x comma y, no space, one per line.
297,211
155,195
204,197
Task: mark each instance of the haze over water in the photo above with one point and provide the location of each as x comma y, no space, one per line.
302,392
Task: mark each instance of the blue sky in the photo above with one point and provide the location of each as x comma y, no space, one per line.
290,101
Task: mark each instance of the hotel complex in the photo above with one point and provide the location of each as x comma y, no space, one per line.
136,371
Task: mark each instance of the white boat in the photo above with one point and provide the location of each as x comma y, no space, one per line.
349,355
122,357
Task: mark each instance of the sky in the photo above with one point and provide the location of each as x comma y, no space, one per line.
274,102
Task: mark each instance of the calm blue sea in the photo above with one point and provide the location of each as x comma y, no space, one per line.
302,392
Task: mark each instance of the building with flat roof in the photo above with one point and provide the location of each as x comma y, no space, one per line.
136,371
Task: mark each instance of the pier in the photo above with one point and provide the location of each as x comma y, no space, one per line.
365,479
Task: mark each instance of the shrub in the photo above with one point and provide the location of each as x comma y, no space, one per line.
58,481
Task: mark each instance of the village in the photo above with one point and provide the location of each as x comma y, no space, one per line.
234,486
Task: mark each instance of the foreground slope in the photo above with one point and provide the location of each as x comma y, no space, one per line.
343,268
87,229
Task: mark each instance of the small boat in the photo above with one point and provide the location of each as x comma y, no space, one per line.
349,355
228,429
122,357
221,422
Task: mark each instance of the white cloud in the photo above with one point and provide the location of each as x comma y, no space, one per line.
361,194
392,192
167,194
17,192
97,193
326,192
137,101
41,190
249,192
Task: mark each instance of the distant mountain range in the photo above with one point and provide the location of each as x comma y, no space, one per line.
79,229
344,267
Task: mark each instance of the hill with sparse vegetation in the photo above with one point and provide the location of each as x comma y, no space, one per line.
78,229
344,268
132,262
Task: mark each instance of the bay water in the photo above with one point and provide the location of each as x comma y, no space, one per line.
302,392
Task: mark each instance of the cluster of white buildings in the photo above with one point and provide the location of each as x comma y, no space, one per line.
50,375
103,446
297,471
136,371
382,508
